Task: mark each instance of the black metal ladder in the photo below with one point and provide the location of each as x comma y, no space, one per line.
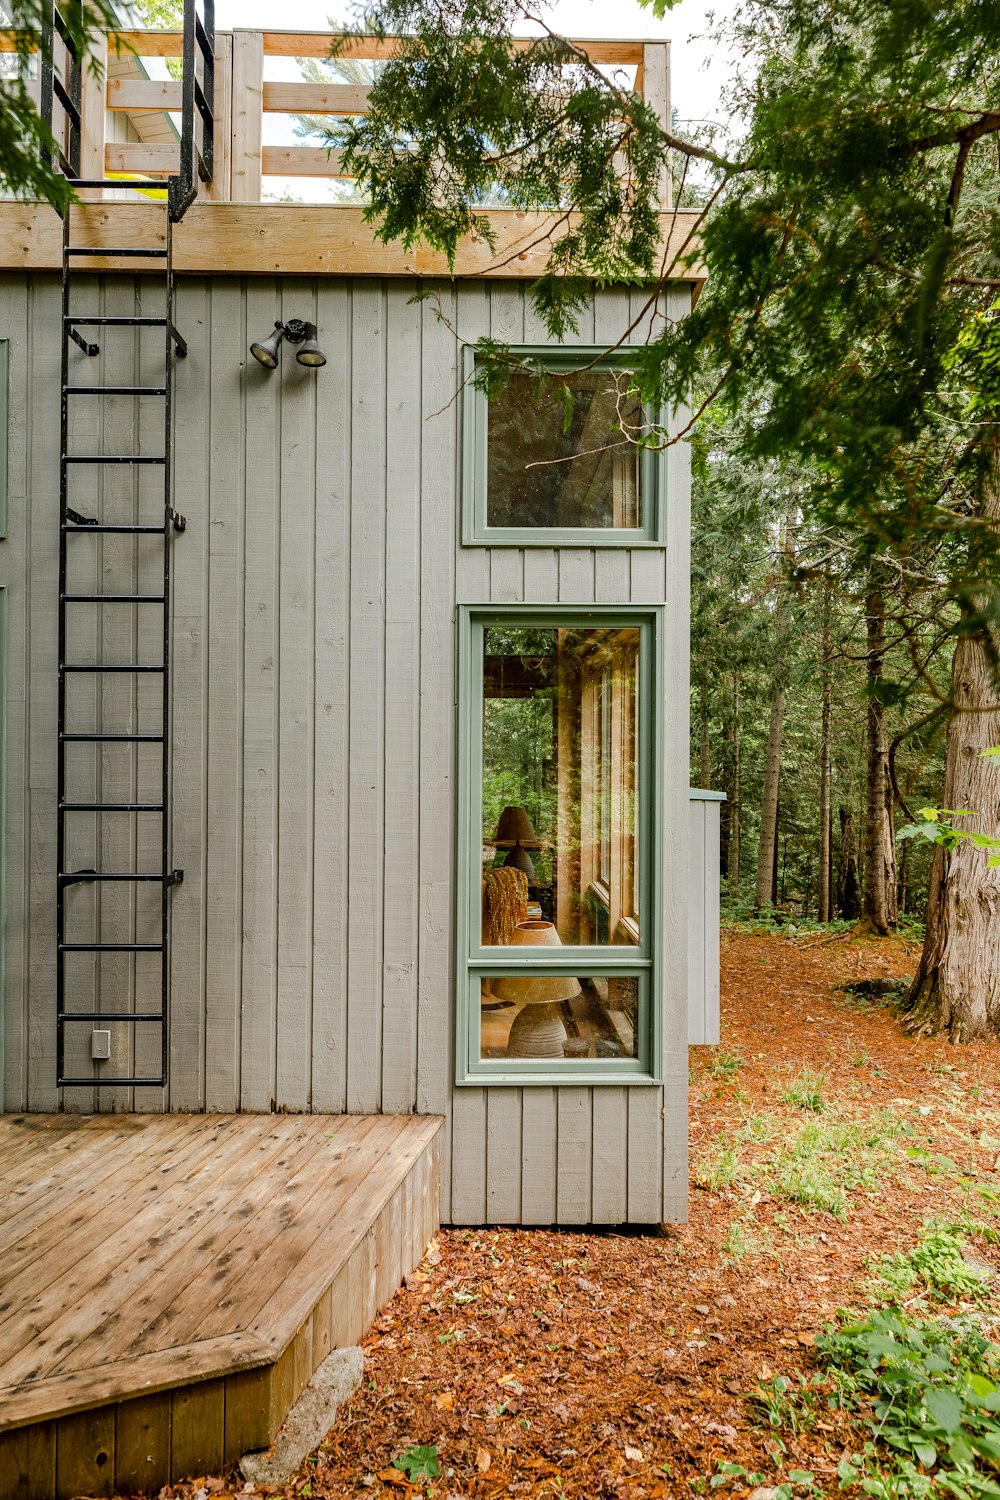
116,527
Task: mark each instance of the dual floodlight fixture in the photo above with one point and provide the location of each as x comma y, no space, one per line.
296,331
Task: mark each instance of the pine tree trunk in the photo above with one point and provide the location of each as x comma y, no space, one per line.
823,911
957,985
704,745
878,908
848,893
735,806
767,851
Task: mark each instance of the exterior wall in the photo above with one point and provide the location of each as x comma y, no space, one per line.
314,672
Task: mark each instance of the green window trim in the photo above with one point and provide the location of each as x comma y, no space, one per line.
476,532
646,961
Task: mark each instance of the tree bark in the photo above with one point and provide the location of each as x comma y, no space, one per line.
823,905
848,892
735,804
957,984
878,907
767,851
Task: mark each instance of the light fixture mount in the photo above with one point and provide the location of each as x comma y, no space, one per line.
297,331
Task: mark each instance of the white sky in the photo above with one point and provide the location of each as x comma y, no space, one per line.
694,85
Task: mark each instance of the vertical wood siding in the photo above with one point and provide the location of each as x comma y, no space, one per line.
314,681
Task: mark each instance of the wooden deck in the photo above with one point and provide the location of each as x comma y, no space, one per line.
168,1283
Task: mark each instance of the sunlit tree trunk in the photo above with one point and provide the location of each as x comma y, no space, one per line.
823,905
878,906
735,794
767,851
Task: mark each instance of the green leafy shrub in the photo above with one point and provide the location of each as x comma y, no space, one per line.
933,1272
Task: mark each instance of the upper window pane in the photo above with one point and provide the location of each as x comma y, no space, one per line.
561,452
560,790
556,458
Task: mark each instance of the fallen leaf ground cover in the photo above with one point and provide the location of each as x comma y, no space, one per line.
835,1163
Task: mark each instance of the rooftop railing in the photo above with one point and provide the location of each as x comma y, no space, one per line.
267,108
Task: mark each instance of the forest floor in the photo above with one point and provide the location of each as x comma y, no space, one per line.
553,1363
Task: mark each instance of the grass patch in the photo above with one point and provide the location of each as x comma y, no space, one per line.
806,1092
726,1065
932,1274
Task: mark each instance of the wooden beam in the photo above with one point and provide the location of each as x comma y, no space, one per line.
656,91
315,98
248,86
143,95
232,239
143,158
301,161
620,51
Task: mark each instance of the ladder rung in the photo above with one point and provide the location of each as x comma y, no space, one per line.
115,739
116,390
113,599
159,1082
119,666
115,321
125,807
119,182
115,251
111,947
90,528
114,458
103,1015
80,877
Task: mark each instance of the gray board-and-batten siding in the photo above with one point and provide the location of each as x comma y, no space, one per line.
314,682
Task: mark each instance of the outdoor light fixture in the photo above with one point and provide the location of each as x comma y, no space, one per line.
296,331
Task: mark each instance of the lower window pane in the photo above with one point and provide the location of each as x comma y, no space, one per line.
559,1018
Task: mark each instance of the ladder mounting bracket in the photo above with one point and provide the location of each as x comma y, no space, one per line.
175,877
179,521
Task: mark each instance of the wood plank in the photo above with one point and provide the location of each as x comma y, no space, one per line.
261,461
573,1178
85,1452
245,238
153,1314
141,95
296,769
132,1166
225,1291
576,575
366,788
28,1463
14,574
220,189
318,44
224,761
197,1429
331,713
315,98
301,161
697,1000
468,1159
539,1163
403,662
70,1310
440,379
142,1443
189,671
342,1231
656,92
143,158
503,1155
111,1382
247,99
609,1204
250,1419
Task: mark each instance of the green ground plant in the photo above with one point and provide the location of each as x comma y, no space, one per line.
806,1092
933,1273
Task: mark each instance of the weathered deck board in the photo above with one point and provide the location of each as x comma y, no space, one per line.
233,1253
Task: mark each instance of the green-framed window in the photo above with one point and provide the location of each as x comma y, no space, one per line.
560,841
556,457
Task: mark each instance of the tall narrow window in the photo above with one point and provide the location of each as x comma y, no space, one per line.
558,857
562,454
